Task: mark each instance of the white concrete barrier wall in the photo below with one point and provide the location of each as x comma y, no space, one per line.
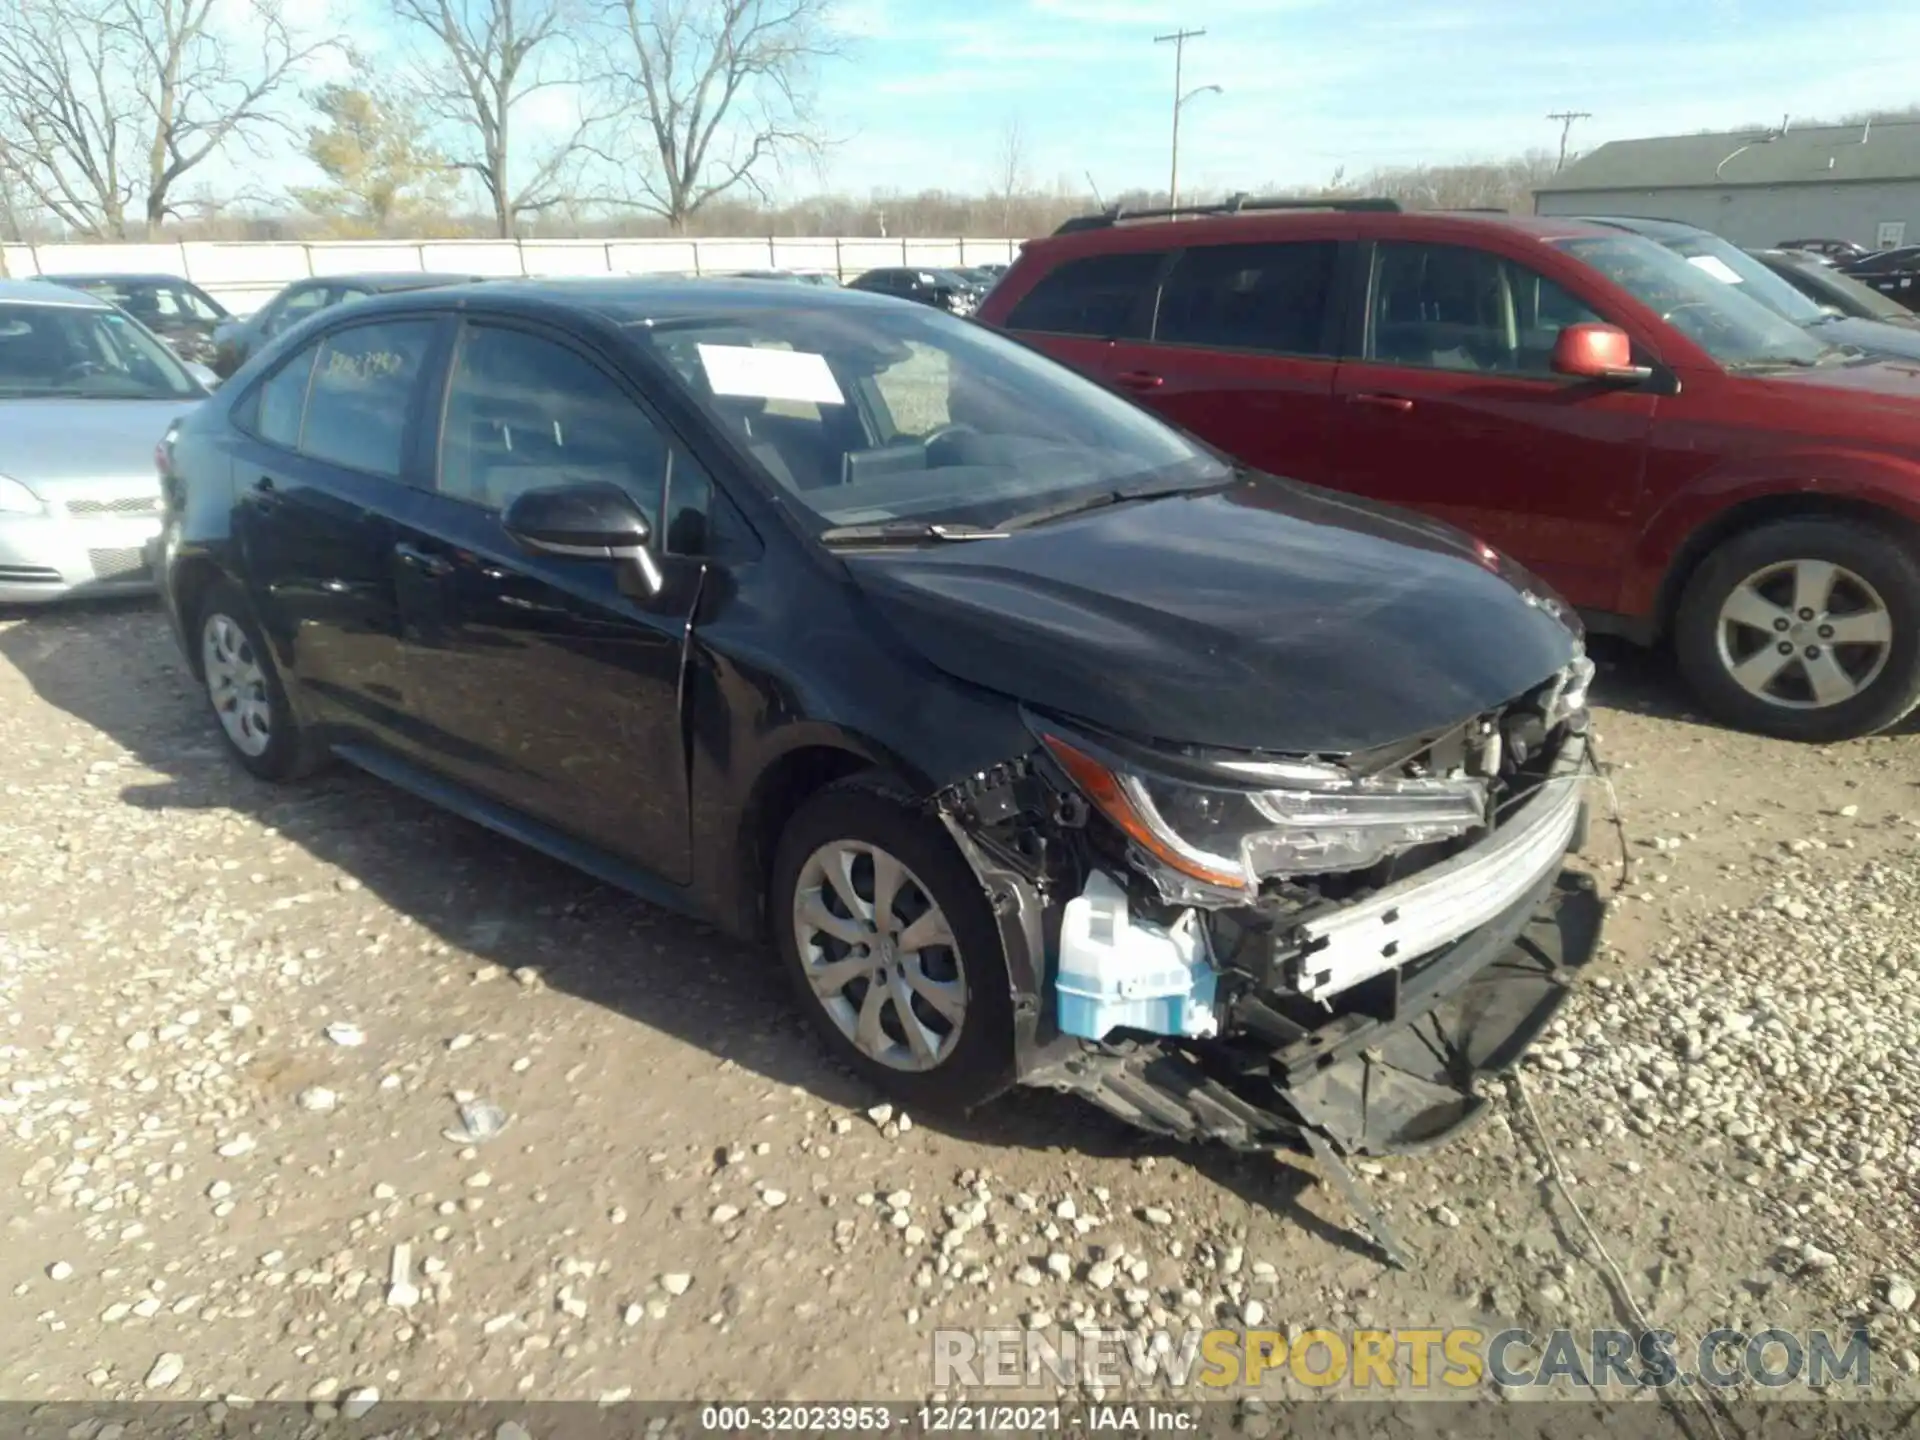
244,275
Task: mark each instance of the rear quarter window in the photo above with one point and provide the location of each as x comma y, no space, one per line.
1095,295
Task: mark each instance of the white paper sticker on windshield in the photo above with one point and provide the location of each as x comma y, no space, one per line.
770,374
1716,267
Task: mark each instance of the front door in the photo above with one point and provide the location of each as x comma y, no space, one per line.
1243,352
1453,409
321,471
552,684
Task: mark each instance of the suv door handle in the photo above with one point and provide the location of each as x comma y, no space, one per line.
1139,380
1384,402
418,559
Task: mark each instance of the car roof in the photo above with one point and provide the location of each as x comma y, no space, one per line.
1200,229
639,299
384,280
1653,229
115,277
48,292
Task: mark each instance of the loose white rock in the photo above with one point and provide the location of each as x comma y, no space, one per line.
676,1284
164,1371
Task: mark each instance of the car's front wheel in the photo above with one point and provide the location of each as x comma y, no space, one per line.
244,688
1805,629
892,948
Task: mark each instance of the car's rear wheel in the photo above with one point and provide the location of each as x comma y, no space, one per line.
244,688
892,948
1805,629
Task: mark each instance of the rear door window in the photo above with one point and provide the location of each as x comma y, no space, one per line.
362,390
1272,298
1095,295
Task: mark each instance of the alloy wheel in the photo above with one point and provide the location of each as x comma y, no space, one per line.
879,955
237,684
1804,634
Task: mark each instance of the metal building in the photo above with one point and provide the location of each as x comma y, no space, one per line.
1758,187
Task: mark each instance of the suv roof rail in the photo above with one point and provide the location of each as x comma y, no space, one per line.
1232,205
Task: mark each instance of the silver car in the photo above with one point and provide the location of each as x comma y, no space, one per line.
85,397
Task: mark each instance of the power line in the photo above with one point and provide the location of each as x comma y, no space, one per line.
1566,119
1178,40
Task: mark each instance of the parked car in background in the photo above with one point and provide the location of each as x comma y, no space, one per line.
1833,290
947,290
860,629
1731,265
237,339
1834,250
175,309
85,395
1894,273
1675,458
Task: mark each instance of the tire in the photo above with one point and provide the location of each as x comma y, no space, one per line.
957,1065
1744,594
243,687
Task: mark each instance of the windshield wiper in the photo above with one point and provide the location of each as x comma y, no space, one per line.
1097,501
905,532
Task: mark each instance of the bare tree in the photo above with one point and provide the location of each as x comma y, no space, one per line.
489,56
1010,169
105,103
718,91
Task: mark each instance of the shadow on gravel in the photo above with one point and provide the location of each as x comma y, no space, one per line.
1645,682
114,667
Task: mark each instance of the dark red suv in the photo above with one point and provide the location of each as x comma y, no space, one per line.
1680,462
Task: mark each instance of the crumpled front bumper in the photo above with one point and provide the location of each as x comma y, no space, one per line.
1375,1021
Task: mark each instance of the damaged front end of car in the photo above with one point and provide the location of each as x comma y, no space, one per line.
1266,950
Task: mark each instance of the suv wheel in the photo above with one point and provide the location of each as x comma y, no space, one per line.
1805,629
892,948
244,689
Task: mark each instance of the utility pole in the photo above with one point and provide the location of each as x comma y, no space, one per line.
1566,119
1178,40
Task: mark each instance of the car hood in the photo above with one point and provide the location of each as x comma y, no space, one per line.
47,442
1262,616
1876,337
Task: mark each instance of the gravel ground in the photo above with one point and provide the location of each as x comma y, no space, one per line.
318,1091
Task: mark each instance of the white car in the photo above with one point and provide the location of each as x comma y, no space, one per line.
86,395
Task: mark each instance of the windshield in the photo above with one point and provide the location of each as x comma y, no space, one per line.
158,306
84,353
871,414
1733,266
1736,330
1857,298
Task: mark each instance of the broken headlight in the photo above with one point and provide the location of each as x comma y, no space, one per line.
1289,818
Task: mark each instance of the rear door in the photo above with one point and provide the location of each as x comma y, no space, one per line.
1079,309
543,681
1242,350
324,465
1452,408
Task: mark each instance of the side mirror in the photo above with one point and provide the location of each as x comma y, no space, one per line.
1597,352
593,521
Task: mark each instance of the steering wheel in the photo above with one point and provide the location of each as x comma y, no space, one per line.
79,370
943,432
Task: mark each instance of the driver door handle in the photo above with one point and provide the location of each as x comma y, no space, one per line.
1139,380
426,563
1384,402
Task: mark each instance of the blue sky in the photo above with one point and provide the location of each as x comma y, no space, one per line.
1312,85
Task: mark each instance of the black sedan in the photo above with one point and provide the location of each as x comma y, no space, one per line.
1042,744
177,310
235,340
948,290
